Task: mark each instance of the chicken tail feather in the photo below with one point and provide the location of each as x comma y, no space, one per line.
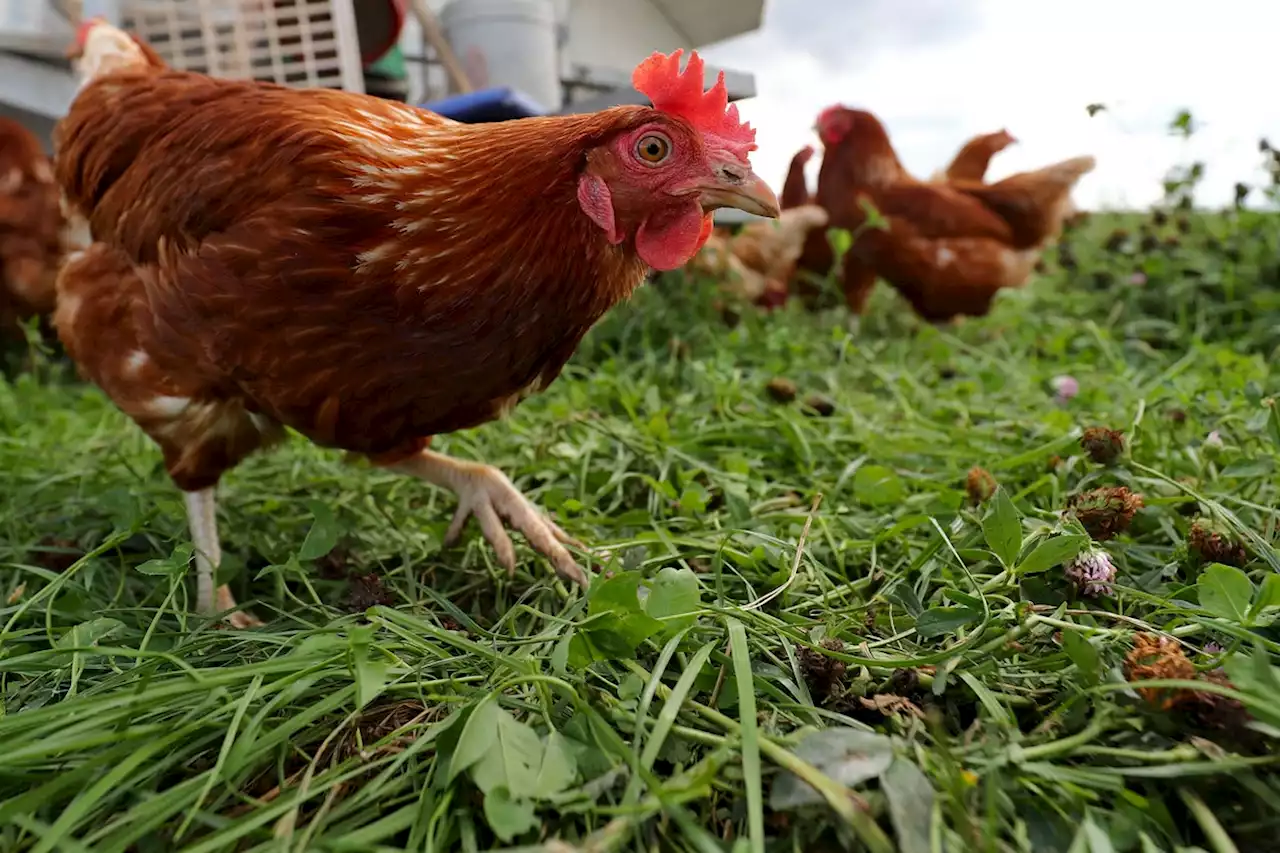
1033,203
1068,172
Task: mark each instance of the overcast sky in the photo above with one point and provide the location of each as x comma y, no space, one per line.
939,71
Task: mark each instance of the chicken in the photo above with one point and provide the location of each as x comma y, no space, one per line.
366,273
31,228
947,248
974,157
817,258
758,261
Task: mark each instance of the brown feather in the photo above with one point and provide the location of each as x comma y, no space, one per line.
795,189
974,157
31,227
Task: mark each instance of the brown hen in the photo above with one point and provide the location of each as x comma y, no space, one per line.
366,273
947,248
756,263
816,257
32,238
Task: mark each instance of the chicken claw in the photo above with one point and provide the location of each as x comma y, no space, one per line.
487,494
491,498
241,619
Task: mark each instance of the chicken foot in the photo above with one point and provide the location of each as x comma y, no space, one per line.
485,492
203,521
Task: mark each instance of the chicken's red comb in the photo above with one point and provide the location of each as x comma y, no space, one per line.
680,93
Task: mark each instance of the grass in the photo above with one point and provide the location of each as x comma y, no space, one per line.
815,629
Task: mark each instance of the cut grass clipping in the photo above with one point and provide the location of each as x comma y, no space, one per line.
1032,611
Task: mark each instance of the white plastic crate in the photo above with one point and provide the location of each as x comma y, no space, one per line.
305,43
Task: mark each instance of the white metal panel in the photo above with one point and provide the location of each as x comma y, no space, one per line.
704,22
619,33
34,26
308,43
35,87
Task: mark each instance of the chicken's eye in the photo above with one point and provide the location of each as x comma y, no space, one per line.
653,148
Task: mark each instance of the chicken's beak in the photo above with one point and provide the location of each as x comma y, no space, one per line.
737,187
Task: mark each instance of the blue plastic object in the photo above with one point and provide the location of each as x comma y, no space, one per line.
497,103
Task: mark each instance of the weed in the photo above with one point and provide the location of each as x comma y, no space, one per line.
922,672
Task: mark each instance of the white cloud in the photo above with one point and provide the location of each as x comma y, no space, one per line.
1032,68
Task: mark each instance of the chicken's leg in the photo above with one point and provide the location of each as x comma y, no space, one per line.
486,493
203,520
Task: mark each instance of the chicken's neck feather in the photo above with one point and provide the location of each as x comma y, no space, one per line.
864,158
492,210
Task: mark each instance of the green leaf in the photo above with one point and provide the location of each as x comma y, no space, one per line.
1248,469
558,769
1268,594
693,500
1265,676
1273,422
910,796
630,687
618,594
88,633
674,594
1093,836
371,679
1148,846
512,760
876,485
560,654
1254,674
937,621
173,566
581,652
875,219
1052,552
1003,529
477,735
1082,654
1226,592
961,598
617,637
622,636
841,241
368,668
749,733
1183,124
323,535
659,428
848,756
508,818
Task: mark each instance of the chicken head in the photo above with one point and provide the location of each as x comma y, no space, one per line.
658,181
